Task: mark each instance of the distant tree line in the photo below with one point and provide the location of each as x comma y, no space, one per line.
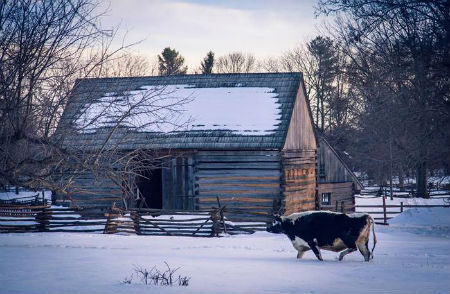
377,82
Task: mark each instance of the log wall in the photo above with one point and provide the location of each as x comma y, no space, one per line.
88,190
248,180
299,180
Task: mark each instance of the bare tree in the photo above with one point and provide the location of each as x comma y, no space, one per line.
271,64
128,64
236,62
323,67
399,53
98,137
47,47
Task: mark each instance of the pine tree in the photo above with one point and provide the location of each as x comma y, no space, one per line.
208,63
324,54
171,63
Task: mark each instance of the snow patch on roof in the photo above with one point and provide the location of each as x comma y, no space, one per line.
242,110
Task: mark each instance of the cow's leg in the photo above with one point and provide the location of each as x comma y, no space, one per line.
345,252
301,251
364,249
315,248
363,241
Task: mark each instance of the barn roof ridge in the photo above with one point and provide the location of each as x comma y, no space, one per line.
178,76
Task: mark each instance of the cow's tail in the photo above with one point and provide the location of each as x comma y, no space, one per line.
372,222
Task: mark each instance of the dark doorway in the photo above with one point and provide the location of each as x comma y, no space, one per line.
150,186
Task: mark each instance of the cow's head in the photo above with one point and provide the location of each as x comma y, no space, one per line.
275,226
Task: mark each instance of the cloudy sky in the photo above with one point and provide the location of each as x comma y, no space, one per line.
193,27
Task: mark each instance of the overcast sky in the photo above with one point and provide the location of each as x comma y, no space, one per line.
193,27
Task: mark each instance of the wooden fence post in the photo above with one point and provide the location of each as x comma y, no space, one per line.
136,221
110,226
221,215
384,210
43,220
342,206
215,217
337,203
401,207
106,230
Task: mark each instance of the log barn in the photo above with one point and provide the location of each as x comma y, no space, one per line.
247,138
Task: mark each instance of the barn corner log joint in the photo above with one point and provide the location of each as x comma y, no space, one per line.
251,142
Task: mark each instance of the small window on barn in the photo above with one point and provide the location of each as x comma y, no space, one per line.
326,198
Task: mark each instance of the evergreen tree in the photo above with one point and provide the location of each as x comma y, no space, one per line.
171,63
325,60
208,63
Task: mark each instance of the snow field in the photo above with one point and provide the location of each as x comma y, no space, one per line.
412,256
258,263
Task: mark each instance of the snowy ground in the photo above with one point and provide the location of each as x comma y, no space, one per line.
406,261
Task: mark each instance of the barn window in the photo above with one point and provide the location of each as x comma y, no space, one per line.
326,198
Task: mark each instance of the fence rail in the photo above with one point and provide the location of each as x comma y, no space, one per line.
158,222
36,216
382,209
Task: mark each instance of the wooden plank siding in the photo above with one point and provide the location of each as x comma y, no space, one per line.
339,192
299,159
248,180
331,167
177,183
299,180
300,134
88,190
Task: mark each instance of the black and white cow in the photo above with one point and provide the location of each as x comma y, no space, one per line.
327,230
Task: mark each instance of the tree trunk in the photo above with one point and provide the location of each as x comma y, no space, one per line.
317,109
401,181
390,166
322,117
421,180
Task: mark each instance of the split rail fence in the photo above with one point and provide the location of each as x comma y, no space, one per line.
381,213
43,218
33,215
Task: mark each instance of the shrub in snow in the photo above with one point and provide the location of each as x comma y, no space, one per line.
157,277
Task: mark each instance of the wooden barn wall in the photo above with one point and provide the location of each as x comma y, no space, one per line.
248,180
178,183
331,169
300,134
299,180
339,192
87,190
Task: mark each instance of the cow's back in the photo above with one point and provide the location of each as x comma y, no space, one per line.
327,227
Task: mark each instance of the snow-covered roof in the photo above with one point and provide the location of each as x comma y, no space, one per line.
185,108
186,111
